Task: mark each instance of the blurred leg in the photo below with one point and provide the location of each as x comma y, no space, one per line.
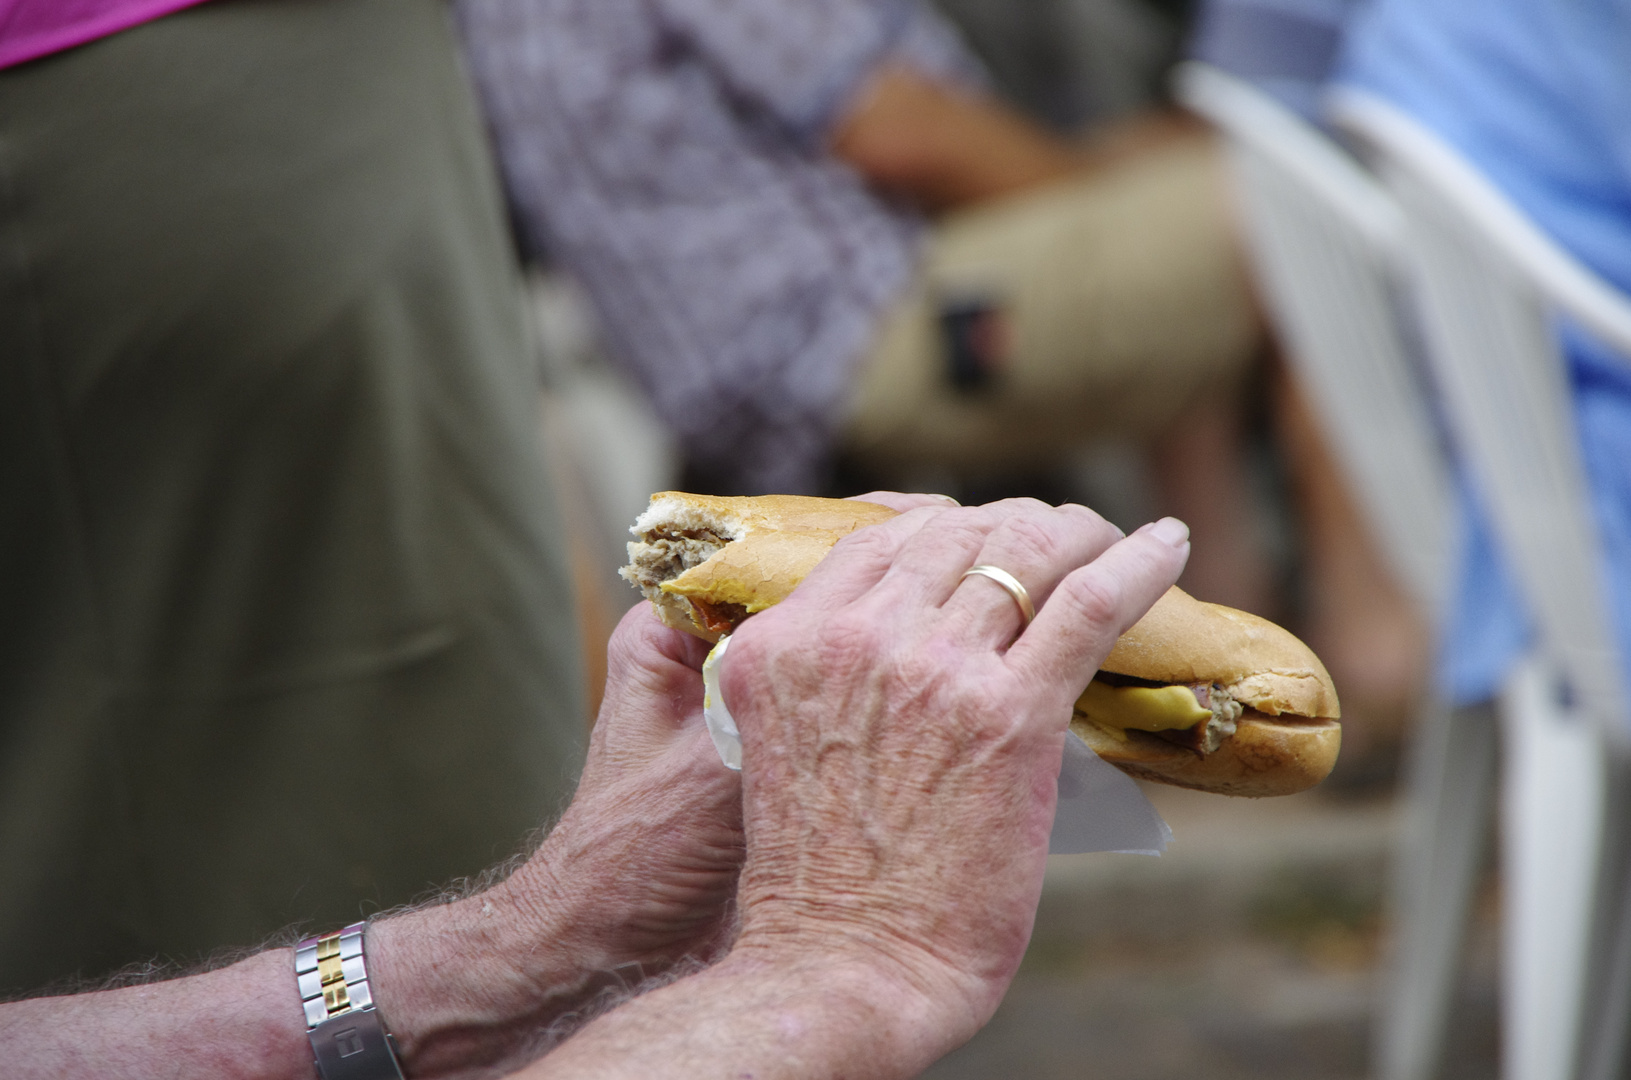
1201,471
1116,308
1357,617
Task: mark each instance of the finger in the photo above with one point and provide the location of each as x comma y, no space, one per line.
858,562
1092,606
904,501
641,634
1038,547
927,568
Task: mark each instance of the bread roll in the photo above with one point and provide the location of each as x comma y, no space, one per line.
1194,694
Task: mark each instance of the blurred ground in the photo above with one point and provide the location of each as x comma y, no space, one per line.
1250,950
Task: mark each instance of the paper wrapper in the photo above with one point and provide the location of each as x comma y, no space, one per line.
1100,807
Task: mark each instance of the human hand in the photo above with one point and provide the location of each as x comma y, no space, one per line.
652,843
901,756
639,872
649,849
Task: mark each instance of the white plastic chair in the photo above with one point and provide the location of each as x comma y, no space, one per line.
1327,246
1490,284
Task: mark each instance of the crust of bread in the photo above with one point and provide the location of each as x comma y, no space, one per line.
777,540
1259,664
1265,756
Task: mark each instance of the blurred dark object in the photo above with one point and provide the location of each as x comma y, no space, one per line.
975,339
1074,63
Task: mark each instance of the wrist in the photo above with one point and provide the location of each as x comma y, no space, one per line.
902,1013
769,1014
627,899
475,984
837,1015
467,986
877,938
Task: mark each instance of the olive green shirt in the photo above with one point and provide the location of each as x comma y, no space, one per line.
280,630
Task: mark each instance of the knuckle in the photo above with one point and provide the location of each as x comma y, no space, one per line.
1096,599
1033,540
878,542
918,674
968,524
1022,504
1086,518
630,637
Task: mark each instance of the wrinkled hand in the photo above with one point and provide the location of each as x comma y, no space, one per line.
652,843
648,851
640,871
901,746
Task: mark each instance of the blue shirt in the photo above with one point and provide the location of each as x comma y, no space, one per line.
1537,95
1285,48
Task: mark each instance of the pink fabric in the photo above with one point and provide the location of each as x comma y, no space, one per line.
34,28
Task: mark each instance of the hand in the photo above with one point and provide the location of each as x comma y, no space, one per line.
640,869
901,756
901,747
640,872
649,850
652,843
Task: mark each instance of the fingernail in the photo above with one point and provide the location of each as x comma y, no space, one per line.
1169,530
946,498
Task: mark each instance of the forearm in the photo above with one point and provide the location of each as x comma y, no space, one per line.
945,148
750,1015
479,984
452,1008
464,987
239,1023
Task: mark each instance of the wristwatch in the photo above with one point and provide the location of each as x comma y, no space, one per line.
348,1038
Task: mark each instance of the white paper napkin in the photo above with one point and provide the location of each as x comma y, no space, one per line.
1100,807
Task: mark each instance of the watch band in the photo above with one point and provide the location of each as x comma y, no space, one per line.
348,1038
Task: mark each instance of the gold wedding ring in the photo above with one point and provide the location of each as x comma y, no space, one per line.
1009,582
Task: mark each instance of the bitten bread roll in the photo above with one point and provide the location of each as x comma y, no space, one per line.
1194,694
706,562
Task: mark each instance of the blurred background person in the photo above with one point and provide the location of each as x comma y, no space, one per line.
813,234
1535,97
1287,48
280,599
810,229
1352,611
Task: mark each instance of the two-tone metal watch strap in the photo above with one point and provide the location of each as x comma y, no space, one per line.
347,1036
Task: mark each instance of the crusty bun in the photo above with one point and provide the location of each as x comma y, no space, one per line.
1185,640
1194,694
1266,755
708,561
1286,738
